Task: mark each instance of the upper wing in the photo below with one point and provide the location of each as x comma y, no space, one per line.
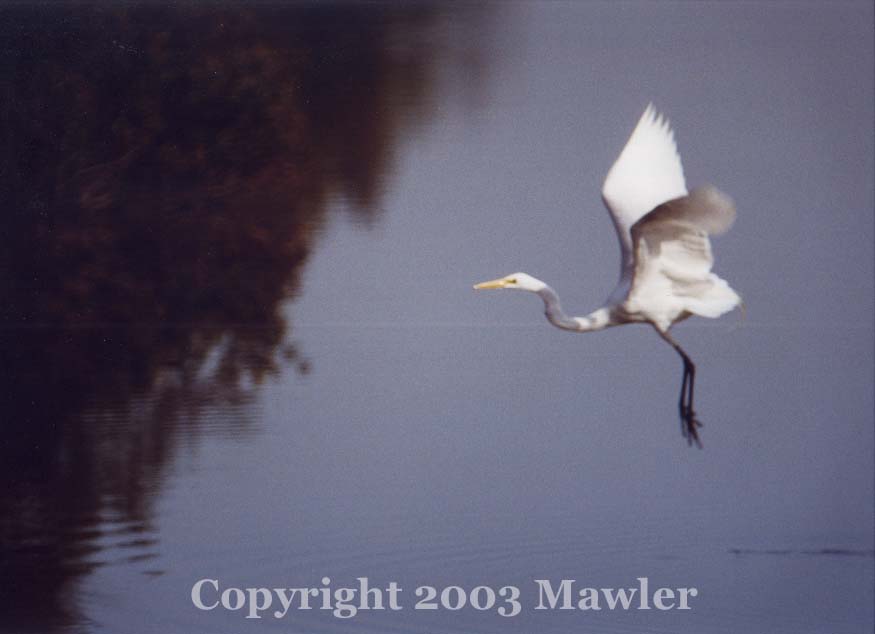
647,173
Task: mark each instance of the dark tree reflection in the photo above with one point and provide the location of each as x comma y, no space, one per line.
164,173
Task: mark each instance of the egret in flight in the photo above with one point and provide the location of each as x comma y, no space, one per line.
665,266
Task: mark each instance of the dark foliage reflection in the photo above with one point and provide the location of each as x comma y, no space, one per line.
164,173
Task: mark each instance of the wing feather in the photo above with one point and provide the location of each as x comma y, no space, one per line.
673,259
647,173
706,208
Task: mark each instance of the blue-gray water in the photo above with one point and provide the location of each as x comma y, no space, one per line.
241,342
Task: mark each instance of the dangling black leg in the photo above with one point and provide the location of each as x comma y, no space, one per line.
692,382
682,402
689,422
689,419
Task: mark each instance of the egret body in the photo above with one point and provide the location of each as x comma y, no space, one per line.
666,260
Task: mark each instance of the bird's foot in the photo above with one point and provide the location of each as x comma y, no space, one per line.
690,425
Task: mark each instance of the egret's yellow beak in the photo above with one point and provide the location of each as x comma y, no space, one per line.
501,283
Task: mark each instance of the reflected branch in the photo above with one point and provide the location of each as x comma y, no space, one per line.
166,172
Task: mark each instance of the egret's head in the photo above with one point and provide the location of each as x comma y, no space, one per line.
517,281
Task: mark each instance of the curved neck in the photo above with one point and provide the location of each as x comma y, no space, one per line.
596,320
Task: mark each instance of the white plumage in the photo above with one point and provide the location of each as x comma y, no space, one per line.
647,173
666,259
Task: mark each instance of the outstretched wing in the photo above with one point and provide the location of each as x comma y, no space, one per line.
673,259
705,208
647,173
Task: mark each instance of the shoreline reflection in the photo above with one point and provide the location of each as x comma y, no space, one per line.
167,172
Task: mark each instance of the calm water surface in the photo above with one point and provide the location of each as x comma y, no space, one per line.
239,341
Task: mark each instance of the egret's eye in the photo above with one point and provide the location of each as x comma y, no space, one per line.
512,281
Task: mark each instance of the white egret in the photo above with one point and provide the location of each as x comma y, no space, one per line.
665,272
